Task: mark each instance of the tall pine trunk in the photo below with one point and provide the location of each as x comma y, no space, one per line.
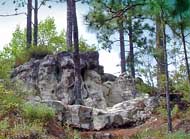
122,48
35,34
29,24
131,50
160,55
169,119
185,53
69,25
76,58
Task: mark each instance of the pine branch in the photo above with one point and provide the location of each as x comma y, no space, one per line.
15,14
121,12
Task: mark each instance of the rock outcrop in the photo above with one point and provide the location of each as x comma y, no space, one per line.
108,100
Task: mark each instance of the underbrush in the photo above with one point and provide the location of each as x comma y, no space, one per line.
161,134
19,119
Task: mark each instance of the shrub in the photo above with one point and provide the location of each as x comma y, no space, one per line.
161,110
35,112
37,52
8,100
71,133
182,86
144,88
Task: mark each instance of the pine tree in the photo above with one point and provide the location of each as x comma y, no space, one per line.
109,18
72,31
179,24
69,25
35,34
29,24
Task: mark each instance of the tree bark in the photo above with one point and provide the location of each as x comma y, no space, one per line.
131,50
35,34
185,53
169,119
29,24
69,25
122,48
76,58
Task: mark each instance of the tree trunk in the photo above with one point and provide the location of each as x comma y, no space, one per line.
29,24
185,53
35,34
69,25
122,48
76,58
131,51
160,58
169,119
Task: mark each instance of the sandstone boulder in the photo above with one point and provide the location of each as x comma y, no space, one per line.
108,100
128,113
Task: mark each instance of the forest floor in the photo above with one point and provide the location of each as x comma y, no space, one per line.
155,123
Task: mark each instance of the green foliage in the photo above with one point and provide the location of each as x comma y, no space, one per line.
178,135
9,100
70,132
162,111
84,47
20,130
182,87
175,111
149,133
19,118
144,88
35,112
160,134
36,52
4,124
25,129
49,41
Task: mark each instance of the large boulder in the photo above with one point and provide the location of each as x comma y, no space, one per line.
52,78
127,113
108,100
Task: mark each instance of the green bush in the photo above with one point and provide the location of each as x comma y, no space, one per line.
9,100
37,112
37,52
144,88
162,112
71,133
182,86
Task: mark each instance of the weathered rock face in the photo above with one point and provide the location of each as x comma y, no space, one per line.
108,101
127,113
52,78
